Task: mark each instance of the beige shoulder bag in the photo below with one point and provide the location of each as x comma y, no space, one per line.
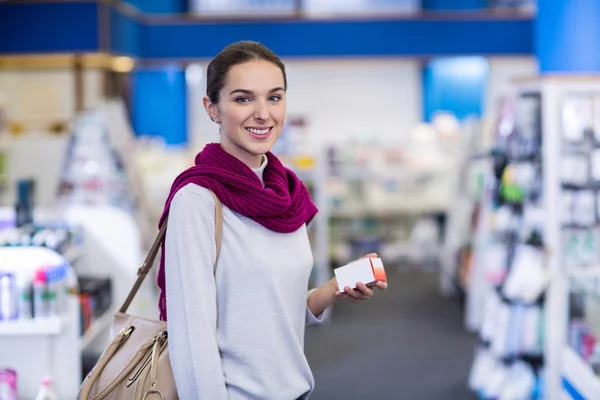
135,365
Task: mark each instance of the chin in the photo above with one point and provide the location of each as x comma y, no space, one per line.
259,148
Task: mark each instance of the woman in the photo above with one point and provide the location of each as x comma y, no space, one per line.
240,334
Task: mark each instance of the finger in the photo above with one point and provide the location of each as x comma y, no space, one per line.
365,290
354,293
382,285
370,255
348,297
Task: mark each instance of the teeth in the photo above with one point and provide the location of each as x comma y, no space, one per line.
258,131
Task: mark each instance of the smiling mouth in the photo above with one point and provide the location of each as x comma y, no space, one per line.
259,132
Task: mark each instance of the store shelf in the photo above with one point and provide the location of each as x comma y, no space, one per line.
38,327
98,326
578,378
162,38
16,20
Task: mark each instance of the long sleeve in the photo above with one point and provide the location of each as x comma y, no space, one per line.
191,298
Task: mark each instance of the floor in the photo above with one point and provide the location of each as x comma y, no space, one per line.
405,343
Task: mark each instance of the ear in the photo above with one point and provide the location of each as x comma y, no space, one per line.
211,110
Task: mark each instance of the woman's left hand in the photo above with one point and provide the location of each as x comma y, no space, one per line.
361,292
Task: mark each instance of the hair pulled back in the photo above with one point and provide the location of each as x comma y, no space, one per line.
234,54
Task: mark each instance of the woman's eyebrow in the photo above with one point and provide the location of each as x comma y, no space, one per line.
246,91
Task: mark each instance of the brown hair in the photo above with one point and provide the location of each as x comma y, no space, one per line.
234,54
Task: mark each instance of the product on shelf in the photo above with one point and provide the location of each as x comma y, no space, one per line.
46,392
8,298
8,384
41,293
95,297
24,206
513,379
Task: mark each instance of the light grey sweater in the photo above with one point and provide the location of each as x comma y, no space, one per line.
244,337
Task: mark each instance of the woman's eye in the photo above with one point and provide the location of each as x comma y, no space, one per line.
242,100
275,99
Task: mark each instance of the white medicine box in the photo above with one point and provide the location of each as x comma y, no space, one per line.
367,270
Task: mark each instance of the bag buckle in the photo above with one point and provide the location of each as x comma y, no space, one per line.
154,391
125,332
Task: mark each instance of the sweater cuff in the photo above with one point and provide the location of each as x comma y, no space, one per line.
311,319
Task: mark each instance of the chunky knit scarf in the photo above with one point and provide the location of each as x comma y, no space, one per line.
283,205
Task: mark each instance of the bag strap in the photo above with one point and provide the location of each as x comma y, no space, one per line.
149,261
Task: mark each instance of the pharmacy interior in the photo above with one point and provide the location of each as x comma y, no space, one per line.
459,136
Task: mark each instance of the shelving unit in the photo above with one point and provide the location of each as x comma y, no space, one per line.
49,326
506,295
49,341
111,248
568,375
569,234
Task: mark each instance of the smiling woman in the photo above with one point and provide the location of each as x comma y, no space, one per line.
249,105
237,331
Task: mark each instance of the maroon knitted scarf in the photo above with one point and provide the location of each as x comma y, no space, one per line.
283,205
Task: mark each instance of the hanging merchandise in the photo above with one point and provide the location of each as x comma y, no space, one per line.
495,379
508,365
575,169
93,173
527,278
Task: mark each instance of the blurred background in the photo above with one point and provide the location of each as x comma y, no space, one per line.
458,139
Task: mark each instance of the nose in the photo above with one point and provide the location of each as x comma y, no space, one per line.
261,112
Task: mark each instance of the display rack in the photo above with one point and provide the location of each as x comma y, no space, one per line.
570,107
112,250
506,291
567,116
49,341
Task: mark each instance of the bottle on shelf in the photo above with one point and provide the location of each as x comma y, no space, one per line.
8,384
40,295
46,392
24,296
8,300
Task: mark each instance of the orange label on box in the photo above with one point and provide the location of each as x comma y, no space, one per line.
378,270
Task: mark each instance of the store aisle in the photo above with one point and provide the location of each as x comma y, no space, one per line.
406,344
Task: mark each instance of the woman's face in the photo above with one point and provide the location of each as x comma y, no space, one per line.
251,110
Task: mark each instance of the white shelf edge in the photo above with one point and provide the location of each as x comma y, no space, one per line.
584,272
580,375
33,327
96,328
